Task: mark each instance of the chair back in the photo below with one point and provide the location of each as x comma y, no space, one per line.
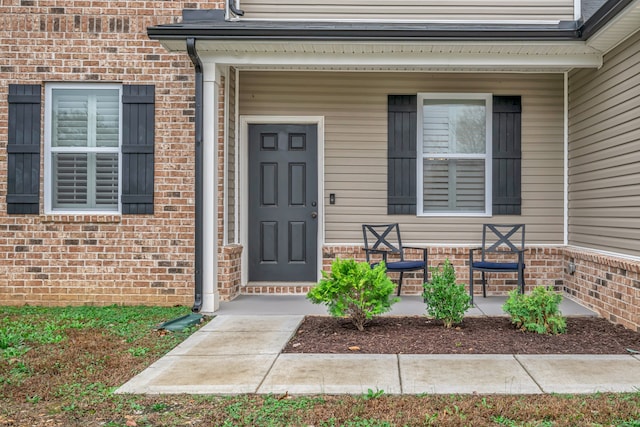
502,238
384,237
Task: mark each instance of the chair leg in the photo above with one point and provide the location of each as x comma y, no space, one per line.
471,283
400,283
521,281
484,286
425,279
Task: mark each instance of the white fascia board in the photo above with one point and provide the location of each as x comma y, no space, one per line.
408,60
483,56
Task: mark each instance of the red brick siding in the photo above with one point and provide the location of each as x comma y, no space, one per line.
607,284
229,271
88,259
544,267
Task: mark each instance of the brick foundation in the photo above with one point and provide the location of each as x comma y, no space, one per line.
544,267
607,284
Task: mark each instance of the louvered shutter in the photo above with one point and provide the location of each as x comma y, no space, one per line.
507,155
401,154
23,149
71,179
138,127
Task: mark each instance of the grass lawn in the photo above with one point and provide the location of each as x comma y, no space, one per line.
60,366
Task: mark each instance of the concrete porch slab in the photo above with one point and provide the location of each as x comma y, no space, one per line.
409,305
333,374
583,373
465,374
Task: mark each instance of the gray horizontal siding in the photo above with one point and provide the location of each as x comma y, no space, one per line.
604,153
354,106
410,10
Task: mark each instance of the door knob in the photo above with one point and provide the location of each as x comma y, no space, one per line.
314,215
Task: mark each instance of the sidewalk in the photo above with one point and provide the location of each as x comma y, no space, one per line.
239,352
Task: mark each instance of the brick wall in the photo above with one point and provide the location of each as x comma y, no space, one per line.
87,259
229,271
607,284
544,267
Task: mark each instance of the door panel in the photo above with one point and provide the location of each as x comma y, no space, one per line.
283,202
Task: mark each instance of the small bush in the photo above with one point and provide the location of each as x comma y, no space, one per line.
538,312
354,290
445,300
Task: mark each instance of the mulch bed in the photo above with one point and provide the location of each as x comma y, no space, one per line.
476,335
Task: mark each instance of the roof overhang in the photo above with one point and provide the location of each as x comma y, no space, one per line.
411,56
403,46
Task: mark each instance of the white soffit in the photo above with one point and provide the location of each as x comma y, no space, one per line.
618,29
482,56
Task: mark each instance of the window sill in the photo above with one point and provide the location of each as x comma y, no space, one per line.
82,218
454,214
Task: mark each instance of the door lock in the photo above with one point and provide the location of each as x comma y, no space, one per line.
314,215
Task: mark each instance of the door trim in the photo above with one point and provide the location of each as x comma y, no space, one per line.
243,146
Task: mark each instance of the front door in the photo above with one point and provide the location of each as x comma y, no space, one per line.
283,202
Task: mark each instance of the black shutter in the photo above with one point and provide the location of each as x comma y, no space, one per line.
507,155
138,124
401,155
23,150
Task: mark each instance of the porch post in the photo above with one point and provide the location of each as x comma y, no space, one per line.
211,296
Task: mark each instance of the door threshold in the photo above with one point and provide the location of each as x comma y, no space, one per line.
277,288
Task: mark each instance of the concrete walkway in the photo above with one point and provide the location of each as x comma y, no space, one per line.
239,351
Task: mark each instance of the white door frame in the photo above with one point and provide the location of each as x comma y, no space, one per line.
243,145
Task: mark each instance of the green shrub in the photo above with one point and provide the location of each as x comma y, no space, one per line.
354,290
538,312
445,300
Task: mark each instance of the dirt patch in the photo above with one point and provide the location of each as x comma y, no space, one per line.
476,335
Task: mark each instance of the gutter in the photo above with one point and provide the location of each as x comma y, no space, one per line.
287,31
199,168
234,9
602,16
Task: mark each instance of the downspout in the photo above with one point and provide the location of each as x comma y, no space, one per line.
234,9
199,164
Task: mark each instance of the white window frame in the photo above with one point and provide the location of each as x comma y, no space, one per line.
49,149
488,98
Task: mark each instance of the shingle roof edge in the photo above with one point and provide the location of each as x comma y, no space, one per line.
211,24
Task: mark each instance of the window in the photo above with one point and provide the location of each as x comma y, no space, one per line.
454,154
82,143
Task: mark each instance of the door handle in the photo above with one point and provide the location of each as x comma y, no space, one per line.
314,215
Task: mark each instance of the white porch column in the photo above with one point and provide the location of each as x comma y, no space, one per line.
210,294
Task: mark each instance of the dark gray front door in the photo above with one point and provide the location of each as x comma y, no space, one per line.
283,202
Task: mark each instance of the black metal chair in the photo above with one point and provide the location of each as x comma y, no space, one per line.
505,242
384,240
